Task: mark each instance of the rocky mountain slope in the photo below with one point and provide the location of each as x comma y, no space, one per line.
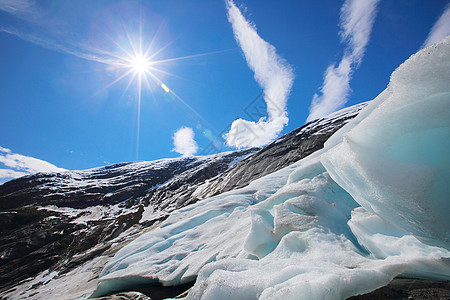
49,219
281,153
57,222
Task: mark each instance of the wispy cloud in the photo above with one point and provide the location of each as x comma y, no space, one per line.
17,165
183,141
16,7
272,73
356,22
33,22
61,46
440,29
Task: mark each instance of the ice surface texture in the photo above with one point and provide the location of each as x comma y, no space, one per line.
299,233
394,158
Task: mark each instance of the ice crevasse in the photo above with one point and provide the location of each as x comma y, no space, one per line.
370,206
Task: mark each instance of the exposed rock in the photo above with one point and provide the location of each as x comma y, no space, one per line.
126,296
280,153
409,289
61,220
147,292
122,183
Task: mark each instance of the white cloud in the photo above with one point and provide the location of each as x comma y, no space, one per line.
272,73
248,133
335,90
357,18
6,150
19,165
440,29
183,141
8,174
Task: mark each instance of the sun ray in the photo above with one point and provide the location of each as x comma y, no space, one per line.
179,98
159,50
113,82
139,115
166,73
191,56
147,82
130,41
119,46
139,64
147,51
127,87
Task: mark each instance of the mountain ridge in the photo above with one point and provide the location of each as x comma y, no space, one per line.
42,213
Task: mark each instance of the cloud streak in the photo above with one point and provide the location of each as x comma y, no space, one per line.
183,141
63,47
356,22
34,23
17,165
440,29
16,7
272,73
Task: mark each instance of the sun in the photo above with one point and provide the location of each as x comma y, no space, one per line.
140,64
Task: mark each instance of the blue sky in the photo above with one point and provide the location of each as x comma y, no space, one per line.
57,104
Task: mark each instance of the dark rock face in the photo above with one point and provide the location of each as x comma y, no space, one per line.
126,296
119,183
150,292
60,221
48,240
407,288
48,219
281,153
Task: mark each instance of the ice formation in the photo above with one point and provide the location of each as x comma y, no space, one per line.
394,158
338,223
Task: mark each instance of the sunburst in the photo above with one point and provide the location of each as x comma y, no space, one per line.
139,65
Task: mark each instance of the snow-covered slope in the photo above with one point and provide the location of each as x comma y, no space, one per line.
57,221
300,233
61,228
119,183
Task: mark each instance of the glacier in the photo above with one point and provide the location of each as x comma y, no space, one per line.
394,157
371,206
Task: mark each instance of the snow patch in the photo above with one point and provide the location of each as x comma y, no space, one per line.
92,213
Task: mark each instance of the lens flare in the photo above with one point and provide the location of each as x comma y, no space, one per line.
164,87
